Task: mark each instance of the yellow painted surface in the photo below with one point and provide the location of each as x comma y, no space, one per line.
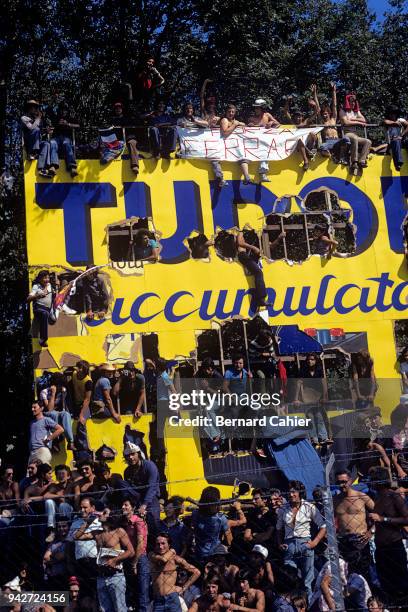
46,246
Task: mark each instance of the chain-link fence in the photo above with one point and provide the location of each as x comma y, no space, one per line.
256,550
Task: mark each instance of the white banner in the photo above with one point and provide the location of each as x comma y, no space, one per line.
245,143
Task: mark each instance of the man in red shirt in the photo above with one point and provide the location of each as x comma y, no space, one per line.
136,528
148,80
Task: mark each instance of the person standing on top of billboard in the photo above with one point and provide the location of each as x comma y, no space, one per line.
148,80
261,118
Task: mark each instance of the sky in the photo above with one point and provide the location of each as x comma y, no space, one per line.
379,7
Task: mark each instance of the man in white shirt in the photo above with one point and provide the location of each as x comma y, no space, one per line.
85,550
293,527
351,117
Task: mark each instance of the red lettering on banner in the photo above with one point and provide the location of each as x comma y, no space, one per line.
273,147
250,149
190,144
228,149
208,149
250,129
290,144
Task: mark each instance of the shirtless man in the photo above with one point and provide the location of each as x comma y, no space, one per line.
261,118
9,490
246,599
297,117
211,600
163,569
210,115
328,116
208,106
114,547
390,515
228,124
34,494
350,509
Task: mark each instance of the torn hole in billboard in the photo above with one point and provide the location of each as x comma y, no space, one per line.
132,243
295,236
198,244
73,297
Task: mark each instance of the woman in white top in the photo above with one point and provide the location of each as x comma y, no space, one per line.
351,117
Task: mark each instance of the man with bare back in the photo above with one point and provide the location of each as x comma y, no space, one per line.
351,508
163,569
113,547
261,118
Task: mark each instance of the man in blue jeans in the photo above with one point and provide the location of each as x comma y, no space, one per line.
164,563
293,527
64,126
38,141
137,570
114,547
396,132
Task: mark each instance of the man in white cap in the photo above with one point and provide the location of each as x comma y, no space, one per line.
261,118
143,473
34,124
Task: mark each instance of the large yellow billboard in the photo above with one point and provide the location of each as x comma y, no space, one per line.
91,220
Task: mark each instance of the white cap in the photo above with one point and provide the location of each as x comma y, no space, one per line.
131,448
260,102
258,548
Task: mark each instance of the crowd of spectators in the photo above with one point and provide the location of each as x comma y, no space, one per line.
101,537
142,122
117,541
